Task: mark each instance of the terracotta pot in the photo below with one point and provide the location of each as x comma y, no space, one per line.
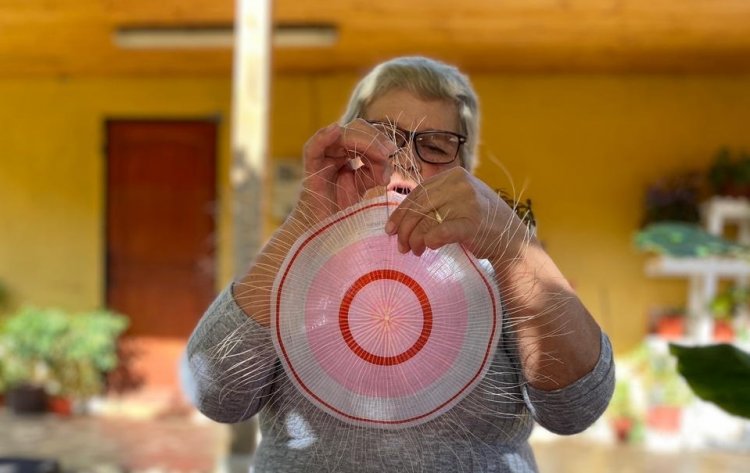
671,327
723,331
61,406
26,399
735,190
622,427
664,418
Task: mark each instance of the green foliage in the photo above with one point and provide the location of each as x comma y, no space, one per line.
67,354
729,176
522,208
727,302
622,404
717,373
721,171
673,199
4,297
685,240
658,374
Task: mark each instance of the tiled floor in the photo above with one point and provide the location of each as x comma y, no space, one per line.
104,445
191,444
572,455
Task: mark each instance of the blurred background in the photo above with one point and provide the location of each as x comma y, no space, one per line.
148,148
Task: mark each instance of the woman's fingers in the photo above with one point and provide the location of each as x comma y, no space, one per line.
331,147
361,138
318,143
371,150
452,207
330,181
417,215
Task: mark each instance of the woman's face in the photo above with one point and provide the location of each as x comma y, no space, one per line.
409,112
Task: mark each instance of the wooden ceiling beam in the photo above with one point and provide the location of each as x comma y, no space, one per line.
75,37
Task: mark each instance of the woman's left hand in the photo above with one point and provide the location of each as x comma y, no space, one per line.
456,207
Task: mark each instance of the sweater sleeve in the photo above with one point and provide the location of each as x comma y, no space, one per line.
572,409
232,362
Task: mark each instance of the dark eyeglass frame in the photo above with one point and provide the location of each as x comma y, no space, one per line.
411,138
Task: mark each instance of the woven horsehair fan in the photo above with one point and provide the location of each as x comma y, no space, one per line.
378,338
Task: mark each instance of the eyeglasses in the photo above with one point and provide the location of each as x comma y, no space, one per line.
435,147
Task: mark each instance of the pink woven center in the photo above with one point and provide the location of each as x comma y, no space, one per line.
372,329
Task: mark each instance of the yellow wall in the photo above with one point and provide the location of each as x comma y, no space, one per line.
52,173
584,148
588,146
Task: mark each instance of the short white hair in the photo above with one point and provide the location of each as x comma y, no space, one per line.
428,79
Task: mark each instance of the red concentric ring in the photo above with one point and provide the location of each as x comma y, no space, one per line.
345,307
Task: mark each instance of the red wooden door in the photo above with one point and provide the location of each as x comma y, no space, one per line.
161,190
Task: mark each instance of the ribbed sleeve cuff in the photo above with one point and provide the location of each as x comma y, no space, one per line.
572,409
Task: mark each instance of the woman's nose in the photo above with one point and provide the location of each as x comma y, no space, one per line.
404,170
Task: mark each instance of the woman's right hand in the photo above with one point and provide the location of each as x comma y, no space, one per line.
330,184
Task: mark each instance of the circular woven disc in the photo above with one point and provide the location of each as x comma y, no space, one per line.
377,338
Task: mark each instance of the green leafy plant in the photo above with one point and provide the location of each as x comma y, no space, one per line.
66,354
4,296
658,374
681,239
623,405
727,302
719,374
522,208
624,416
673,199
28,341
729,176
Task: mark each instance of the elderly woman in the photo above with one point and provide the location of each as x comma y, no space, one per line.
411,126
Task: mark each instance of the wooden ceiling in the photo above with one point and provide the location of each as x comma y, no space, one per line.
75,37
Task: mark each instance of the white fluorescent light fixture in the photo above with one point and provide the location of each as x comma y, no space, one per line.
300,36
221,37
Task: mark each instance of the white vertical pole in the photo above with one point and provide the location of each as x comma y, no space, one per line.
250,98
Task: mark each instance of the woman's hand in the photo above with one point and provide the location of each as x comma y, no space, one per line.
456,207
557,338
330,182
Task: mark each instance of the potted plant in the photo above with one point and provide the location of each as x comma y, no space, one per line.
665,392
728,176
622,412
27,341
724,307
88,352
673,199
669,323
55,353
4,297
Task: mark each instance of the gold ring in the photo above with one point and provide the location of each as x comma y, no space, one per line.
438,217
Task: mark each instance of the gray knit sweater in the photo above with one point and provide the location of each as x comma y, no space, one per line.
237,373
